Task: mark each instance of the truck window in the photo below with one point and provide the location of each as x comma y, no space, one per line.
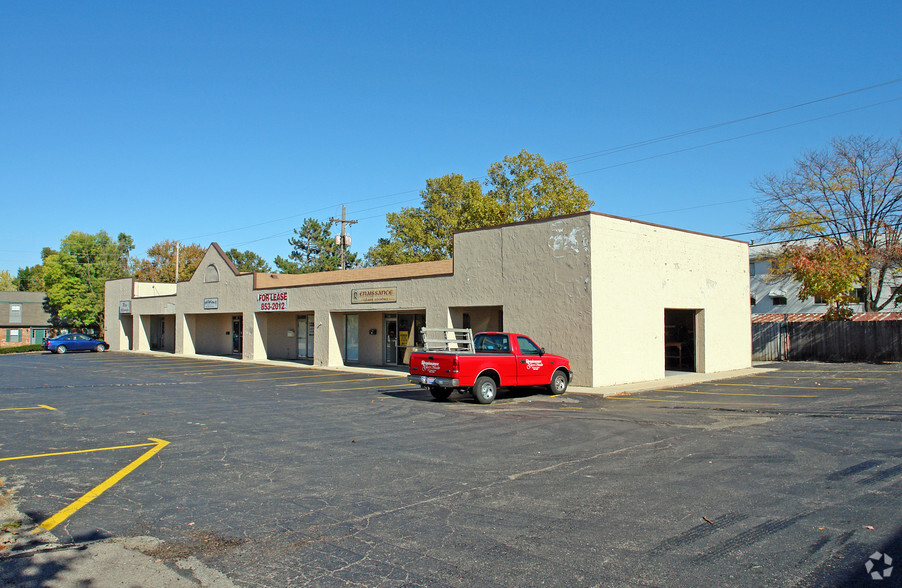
527,347
493,343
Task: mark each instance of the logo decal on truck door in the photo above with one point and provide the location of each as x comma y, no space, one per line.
534,364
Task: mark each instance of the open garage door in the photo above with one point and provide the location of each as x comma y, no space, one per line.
680,337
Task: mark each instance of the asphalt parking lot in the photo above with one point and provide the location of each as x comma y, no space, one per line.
271,475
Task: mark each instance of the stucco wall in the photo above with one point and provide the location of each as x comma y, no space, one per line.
648,269
589,287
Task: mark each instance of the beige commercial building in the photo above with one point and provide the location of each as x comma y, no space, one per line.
624,300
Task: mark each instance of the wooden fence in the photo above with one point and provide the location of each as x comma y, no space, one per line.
827,341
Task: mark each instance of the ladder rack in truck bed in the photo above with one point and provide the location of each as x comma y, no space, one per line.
448,340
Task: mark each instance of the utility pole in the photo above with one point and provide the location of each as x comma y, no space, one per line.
177,247
343,240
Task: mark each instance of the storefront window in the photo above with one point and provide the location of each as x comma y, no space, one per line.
351,339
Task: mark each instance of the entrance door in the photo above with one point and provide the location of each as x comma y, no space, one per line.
305,336
237,333
391,341
38,336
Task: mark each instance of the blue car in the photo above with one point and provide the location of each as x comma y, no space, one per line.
74,342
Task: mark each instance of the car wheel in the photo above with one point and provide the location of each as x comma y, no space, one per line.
61,349
440,393
100,348
558,383
485,390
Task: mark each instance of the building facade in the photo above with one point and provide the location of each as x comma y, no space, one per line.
623,300
24,319
780,295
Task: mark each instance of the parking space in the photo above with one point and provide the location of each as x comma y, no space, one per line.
800,388
292,475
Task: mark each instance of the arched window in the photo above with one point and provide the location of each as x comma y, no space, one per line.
212,274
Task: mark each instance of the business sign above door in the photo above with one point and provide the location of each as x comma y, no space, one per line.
268,301
370,295
211,303
125,307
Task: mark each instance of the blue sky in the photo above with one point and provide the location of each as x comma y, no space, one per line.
233,121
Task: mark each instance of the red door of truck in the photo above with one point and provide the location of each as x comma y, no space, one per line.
532,368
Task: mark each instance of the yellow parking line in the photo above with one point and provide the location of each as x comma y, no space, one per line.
100,488
676,391
821,378
692,401
74,452
44,406
219,374
362,388
841,372
776,386
342,381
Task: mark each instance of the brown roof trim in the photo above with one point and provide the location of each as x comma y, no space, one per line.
384,273
611,216
215,246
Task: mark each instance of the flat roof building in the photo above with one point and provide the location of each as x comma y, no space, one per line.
624,300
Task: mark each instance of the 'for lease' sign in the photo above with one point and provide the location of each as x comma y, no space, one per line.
272,301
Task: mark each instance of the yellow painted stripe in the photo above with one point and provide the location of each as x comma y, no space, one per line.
572,407
827,372
100,488
74,452
44,406
776,386
759,376
362,388
676,391
338,381
692,401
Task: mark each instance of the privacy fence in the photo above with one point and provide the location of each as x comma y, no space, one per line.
827,341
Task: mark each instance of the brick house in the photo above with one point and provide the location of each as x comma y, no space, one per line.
23,318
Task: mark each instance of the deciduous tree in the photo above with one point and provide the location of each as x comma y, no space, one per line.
76,275
825,271
850,195
159,265
520,187
6,282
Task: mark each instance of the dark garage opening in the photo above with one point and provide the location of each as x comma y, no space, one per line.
679,339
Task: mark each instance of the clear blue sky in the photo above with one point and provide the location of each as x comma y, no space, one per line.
232,121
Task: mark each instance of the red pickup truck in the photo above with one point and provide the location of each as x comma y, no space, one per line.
457,360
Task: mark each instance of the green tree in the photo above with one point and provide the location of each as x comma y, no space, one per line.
850,195
314,250
76,275
159,265
520,187
6,282
31,278
826,271
248,261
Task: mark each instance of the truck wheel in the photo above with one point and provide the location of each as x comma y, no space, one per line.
558,383
440,393
485,390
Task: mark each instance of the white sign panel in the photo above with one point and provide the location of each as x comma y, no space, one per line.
125,307
211,303
268,301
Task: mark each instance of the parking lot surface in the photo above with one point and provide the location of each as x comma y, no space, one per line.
271,475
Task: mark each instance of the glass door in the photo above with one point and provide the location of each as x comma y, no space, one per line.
391,340
237,333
